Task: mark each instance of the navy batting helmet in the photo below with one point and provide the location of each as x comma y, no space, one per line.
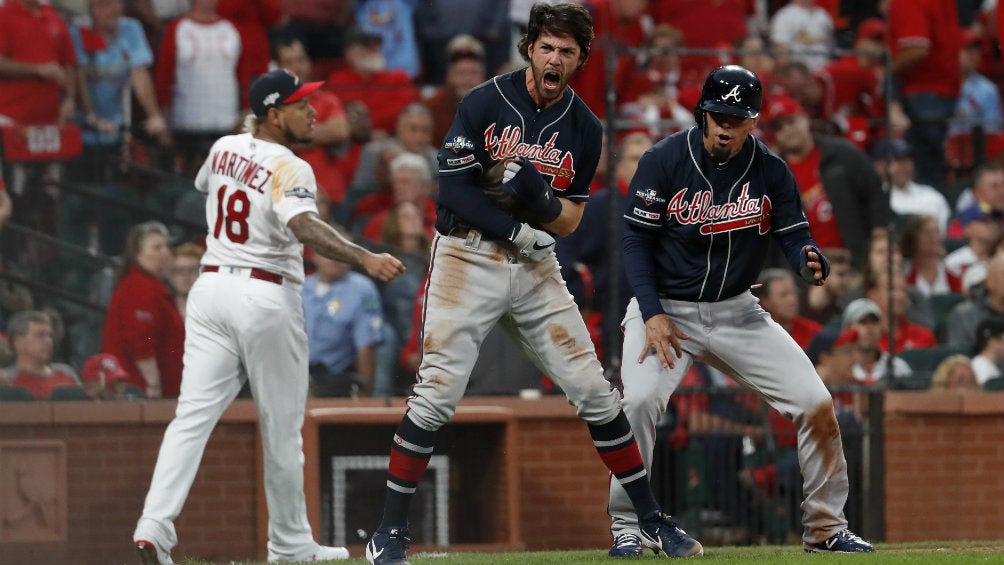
730,90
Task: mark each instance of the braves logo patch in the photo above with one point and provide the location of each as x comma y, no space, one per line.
298,192
458,144
649,196
734,94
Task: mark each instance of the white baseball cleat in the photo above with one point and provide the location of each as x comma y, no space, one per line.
320,553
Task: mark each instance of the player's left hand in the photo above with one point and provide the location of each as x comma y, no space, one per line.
816,267
383,266
661,334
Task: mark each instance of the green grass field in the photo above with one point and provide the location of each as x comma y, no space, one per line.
888,554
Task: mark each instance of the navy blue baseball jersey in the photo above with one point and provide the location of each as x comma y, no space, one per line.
499,120
712,222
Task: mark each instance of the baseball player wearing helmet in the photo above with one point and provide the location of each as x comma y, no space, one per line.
527,140
245,318
699,213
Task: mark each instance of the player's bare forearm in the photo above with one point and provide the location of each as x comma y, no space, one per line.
662,337
568,221
316,234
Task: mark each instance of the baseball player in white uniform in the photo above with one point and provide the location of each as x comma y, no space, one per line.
245,318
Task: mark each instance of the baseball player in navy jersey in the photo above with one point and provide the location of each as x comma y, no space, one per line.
515,168
699,213
245,318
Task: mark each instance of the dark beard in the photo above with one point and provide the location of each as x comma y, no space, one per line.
719,154
293,139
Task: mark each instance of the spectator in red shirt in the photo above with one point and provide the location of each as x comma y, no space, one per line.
31,337
778,296
104,378
143,328
660,90
909,335
38,79
616,24
706,24
331,125
411,181
863,329
198,77
369,191
924,257
367,79
841,191
924,38
852,84
253,20
37,65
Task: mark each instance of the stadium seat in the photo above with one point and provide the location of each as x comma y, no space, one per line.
133,392
994,384
952,244
14,394
68,393
919,380
941,307
928,358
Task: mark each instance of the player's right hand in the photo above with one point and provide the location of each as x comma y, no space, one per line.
523,181
532,243
383,266
661,334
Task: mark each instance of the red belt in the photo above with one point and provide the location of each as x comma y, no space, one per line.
256,273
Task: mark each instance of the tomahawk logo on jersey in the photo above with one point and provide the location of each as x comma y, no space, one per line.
713,224
499,121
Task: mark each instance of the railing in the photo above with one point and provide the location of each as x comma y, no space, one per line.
728,471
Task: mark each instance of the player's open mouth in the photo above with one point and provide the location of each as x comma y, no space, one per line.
551,80
724,139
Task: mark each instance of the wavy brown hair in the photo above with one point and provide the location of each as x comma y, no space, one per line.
562,20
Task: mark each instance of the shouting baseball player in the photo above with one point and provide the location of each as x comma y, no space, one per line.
245,318
494,263
699,213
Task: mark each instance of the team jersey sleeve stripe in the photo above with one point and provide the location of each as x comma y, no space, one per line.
642,223
474,165
791,227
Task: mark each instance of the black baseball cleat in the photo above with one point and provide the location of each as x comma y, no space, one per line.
660,533
626,545
843,541
388,546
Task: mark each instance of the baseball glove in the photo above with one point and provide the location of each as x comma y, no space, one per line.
491,185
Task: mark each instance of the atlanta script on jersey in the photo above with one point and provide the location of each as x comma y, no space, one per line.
498,120
713,221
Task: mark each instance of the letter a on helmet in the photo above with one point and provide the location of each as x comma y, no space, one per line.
730,90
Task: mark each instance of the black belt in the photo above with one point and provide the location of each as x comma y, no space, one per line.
256,273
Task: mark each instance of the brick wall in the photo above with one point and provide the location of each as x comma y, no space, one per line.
563,485
944,457
944,461
110,454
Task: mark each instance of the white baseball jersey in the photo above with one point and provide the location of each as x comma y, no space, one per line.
253,188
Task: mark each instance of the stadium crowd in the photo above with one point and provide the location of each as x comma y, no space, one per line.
888,113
